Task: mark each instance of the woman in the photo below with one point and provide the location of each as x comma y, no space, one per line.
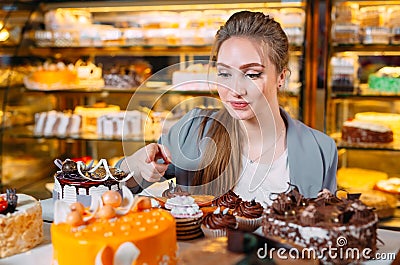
251,145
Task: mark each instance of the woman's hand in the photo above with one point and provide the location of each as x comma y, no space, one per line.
145,165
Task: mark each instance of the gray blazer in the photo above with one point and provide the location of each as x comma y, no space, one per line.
312,154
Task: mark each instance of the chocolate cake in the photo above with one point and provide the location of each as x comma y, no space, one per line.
366,132
332,229
76,181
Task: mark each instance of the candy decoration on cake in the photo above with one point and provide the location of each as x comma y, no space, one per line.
8,204
115,230
77,181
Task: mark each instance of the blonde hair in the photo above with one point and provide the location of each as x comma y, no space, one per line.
221,174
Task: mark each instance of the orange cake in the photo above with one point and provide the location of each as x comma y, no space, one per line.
52,76
113,231
21,223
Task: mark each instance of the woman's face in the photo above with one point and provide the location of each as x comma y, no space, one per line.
246,83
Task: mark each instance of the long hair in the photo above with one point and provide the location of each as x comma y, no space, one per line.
223,171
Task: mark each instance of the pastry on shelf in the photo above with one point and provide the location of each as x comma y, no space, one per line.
385,81
56,123
359,132
60,76
391,186
91,113
350,178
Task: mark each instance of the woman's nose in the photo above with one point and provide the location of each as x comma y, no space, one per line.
239,85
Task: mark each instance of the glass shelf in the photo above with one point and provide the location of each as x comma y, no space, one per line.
367,49
133,50
27,132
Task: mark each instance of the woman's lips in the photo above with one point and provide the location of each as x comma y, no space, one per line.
239,104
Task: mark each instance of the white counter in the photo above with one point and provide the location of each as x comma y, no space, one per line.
41,255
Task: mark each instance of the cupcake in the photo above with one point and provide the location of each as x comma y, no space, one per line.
248,215
187,215
217,223
228,200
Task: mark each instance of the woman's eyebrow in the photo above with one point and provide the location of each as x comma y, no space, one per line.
242,66
250,65
224,65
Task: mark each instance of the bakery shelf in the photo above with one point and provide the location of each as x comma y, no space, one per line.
146,91
367,49
27,132
121,50
132,50
365,97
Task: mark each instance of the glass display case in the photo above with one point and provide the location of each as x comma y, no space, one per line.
119,49
362,80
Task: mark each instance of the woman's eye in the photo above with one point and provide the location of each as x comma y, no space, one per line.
225,75
254,76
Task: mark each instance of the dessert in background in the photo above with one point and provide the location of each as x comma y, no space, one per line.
365,179
322,222
391,120
382,203
391,185
55,123
195,77
121,124
356,131
91,113
248,215
385,81
217,223
59,76
127,76
187,215
114,229
21,223
344,76
78,182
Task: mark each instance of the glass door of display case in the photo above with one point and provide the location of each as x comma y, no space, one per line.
128,41
363,69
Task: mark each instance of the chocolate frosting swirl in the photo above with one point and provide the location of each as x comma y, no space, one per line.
249,209
219,221
229,200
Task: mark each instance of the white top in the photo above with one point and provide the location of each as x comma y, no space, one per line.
259,180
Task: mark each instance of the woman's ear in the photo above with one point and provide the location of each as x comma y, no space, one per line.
282,78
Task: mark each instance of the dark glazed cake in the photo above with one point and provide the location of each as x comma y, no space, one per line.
366,132
77,182
347,227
